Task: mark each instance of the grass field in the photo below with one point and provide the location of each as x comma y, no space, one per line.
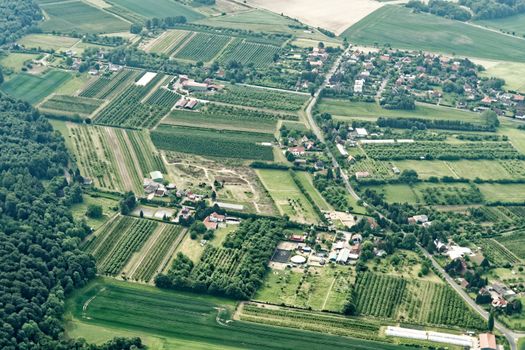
513,24
80,17
108,209
159,8
15,60
503,192
306,180
399,27
34,88
344,109
48,42
287,196
168,41
107,308
511,72
70,105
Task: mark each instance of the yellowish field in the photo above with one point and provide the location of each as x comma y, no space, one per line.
48,42
334,15
511,72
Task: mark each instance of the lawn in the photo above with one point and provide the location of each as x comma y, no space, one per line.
34,88
78,16
503,192
399,27
159,8
107,308
287,196
108,205
425,169
397,193
48,42
344,109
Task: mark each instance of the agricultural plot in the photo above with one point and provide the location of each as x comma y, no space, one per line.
78,16
344,110
48,42
15,61
457,194
34,88
168,42
127,109
155,255
496,252
203,47
515,242
163,97
312,321
376,169
401,28
440,150
70,105
147,156
189,321
245,52
513,24
306,180
106,88
511,193
398,193
158,8
287,196
215,116
213,143
511,72
258,97
111,159
412,300
114,244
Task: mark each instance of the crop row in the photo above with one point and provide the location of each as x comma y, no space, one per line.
164,98
147,156
203,47
439,150
259,98
260,55
378,295
132,240
514,242
72,104
151,263
103,87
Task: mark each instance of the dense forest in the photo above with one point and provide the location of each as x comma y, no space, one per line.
490,9
441,8
40,263
17,18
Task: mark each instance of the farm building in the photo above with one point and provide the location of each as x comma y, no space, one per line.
361,174
341,150
361,132
156,176
296,151
487,341
343,256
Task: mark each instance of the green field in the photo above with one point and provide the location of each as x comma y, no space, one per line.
48,42
306,180
399,27
77,16
213,143
203,47
107,308
70,105
108,209
15,60
515,242
513,24
34,88
503,192
511,72
158,8
287,196
344,109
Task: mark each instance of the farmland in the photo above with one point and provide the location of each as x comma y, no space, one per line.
503,192
158,8
258,97
114,159
225,117
78,16
342,109
245,52
188,320
497,253
68,105
203,47
169,41
34,88
399,27
515,242
213,143
48,42
514,24
287,196
113,245
103,87
509,71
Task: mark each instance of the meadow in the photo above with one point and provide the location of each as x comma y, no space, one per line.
34,88
78,16
109,209
344,110
48,42
511,72
15,61
400,28
70,105
287,196
158,8
513,24
213,143
503,192
108,308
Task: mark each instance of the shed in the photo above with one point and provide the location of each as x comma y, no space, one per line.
487,341
156,176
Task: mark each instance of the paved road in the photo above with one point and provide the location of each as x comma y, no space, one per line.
511,336
317,131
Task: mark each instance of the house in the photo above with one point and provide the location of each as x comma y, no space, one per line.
361,174
341,150
86,181
296,151
192,85
297,238
214,217
181,103
418,219
396,170
191,104
210,225
156,176
487,341
358,86
372,223
361,132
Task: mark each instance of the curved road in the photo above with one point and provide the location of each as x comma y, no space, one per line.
511,335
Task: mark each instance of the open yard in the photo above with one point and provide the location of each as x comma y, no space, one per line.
344,109
287,196
105,309
80,17
399,27
34,88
